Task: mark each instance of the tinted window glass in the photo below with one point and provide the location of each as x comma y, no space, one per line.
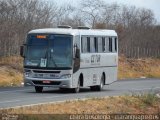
84,45
55,50
96,44
110,44
92,46
115,44
103,44
88,44
33,40
100,45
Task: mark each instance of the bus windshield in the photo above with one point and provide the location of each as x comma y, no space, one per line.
49,50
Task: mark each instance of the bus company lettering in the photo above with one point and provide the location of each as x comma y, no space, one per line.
95,59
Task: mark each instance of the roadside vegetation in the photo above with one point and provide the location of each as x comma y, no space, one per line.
11,69
135,104
138,68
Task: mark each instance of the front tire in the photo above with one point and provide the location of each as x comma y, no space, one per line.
38,89
77,89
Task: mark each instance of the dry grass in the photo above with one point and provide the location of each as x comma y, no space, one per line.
109,105
14,62
137,68
11,69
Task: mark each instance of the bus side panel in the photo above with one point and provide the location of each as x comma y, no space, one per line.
110,61
93,65
92,76
111,75
75,78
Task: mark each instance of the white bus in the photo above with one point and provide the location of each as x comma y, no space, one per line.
70,58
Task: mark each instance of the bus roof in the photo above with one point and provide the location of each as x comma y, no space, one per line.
97,32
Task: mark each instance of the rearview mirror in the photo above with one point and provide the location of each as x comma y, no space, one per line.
22,49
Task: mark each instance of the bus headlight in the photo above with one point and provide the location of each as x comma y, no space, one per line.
65,76
27,74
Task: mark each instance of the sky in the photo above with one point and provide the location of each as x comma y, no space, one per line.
154,5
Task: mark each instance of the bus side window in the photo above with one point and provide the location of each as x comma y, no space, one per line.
92,46
115,42
88,44
106,44
84,44
100,45
103,44
110,44
96,44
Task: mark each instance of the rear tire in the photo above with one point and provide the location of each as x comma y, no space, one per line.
98,87
38,89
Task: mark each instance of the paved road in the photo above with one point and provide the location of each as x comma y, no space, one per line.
13,97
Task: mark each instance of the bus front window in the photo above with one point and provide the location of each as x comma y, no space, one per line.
60,54
55,50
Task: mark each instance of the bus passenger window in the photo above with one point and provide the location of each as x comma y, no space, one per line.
103,44
106,44
100,45
92,46
110,44
84,45
115,44
88,44
96,44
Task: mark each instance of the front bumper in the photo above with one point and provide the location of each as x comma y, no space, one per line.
56,83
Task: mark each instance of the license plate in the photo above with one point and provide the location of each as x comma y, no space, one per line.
46,81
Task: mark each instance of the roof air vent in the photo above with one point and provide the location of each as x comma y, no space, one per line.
64,26
84,27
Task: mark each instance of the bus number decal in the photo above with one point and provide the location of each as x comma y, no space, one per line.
95,59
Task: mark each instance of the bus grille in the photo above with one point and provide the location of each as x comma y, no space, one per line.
51,83
38,71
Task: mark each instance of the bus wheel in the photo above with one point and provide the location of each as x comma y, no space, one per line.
77,89
38,89
98,87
